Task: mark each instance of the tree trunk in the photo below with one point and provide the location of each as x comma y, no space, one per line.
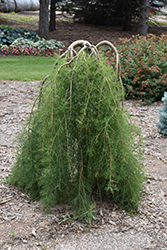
127,24
144,16
44,19
52,24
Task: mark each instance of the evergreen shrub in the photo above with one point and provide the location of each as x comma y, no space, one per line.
144,67
79,141
162,124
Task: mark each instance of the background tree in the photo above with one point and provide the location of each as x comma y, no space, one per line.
122,13
52,23
44,19
144,10
144,17
116,13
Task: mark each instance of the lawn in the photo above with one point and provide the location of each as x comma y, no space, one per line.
19,18
25,68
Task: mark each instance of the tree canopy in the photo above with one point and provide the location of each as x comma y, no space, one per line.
124,13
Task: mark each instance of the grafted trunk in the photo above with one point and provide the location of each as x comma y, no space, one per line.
44,19
144,16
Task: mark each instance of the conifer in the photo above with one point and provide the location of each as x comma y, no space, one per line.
79,141
162,124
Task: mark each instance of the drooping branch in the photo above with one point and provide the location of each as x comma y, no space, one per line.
118,66
83,45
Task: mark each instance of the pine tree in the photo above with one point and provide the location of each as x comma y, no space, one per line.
162,124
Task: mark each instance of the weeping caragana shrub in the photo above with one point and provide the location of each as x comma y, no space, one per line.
79,141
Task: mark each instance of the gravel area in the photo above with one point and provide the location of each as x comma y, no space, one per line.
23,223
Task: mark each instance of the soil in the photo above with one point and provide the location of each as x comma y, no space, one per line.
23,223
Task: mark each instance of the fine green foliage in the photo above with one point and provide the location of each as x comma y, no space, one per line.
162,124
8,35
25,68
144,67
79,141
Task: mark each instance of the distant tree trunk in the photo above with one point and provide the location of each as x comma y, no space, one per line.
144,16
127,25
52,24
44,19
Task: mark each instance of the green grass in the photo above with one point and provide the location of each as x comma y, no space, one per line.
18,18
25,68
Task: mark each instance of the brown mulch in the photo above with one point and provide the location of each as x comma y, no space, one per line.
23,223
